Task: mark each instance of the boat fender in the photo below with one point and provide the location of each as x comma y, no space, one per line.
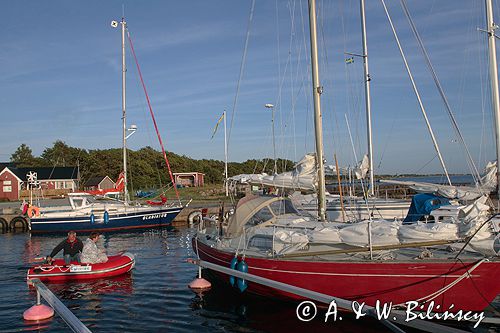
241,283
92,218
233,264
106,216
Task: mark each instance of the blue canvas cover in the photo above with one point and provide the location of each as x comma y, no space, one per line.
422,204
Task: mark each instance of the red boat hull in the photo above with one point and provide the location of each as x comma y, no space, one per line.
57,272
369,282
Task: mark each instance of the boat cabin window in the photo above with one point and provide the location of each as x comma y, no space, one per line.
283,207
261,216
77,202
263,242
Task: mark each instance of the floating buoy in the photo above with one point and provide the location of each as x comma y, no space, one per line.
241,283
232,279
199,284
38,312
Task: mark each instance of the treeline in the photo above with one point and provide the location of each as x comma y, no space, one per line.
146,166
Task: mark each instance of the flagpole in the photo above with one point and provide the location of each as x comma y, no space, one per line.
225,154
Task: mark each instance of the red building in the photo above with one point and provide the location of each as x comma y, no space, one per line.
189,179
13,180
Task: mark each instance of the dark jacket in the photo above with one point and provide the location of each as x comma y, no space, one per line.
69,248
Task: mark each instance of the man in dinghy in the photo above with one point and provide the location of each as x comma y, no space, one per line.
71,246
91,254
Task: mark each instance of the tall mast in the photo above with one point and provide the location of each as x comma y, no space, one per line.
367,95
124,119
225,154
495,100
318,127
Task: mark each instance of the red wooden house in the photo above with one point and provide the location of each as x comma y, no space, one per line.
13,180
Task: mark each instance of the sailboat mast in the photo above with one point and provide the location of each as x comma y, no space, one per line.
225,155
367,95
495,99
318,127
124,119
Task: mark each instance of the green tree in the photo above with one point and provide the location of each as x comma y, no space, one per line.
63,155
23,156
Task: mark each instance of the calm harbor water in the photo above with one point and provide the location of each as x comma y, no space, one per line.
153,298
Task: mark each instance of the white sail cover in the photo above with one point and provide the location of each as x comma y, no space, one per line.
385,232
455,192
258,219
303,177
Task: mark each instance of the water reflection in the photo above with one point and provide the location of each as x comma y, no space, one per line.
268,315
153,297
122,284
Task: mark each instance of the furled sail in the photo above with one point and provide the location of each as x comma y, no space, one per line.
488,182
303,177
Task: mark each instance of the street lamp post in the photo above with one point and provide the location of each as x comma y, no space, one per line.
271,106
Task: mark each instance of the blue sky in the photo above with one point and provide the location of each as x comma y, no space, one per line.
60,78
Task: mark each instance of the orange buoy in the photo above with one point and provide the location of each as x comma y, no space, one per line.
38,312
200,284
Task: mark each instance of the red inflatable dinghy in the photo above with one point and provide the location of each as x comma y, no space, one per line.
58,271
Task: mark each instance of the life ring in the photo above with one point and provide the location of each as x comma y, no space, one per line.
15,221
4,225
194,217
33,211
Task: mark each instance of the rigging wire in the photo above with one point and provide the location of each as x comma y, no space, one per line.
242,67
470,161
415,90
137,88
306,74
426,164
480,41
153,117
292,85
328,79
353,94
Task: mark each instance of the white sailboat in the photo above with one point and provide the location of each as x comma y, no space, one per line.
88,213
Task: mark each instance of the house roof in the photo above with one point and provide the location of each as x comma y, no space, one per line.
9,165
47,173
188,173
94,181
